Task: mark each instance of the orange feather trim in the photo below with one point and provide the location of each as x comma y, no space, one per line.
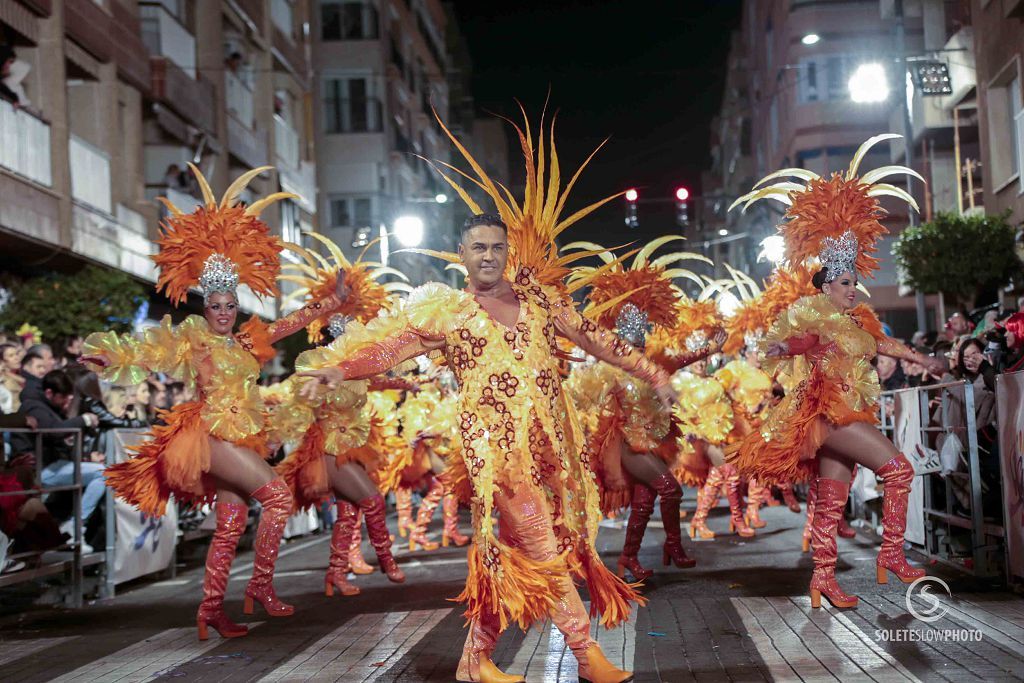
868,321
304,470
654,295
691,465
610,596
414,474
519,590
254,337
365,299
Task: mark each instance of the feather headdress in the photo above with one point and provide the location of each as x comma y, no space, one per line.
535,223
219,245
835,219
318,278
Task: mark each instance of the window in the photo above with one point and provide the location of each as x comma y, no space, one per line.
1004,125
825,78
351,211
351,106
348,21
291,225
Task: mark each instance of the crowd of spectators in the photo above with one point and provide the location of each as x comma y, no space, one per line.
43,386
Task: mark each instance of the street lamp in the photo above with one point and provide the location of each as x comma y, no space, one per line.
723,232
869,84
811,39
773,249
441,198
409,230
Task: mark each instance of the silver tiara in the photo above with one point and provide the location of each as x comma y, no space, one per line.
219,276
697,341
337,324
752,339
632,325
839,255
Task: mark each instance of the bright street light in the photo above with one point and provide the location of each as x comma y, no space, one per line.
773,249
811,39
632,195
723,232
869,84
728,303
441,198
409,230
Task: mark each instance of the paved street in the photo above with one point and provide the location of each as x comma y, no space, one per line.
741,615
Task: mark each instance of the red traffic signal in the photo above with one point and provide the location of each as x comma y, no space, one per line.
682,194
632,195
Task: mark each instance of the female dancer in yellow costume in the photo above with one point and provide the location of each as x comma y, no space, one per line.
213,447
828,342
635,439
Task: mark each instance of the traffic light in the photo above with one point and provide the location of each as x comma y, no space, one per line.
632,219
682,207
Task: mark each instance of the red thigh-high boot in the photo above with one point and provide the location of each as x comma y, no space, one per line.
671,493
451,533
341,540
812,495
403,506
640,509
732,492
355,550
231,520
380,538
276,500
708,496
790,497
755,495
418,535
896,477
845,530
827,509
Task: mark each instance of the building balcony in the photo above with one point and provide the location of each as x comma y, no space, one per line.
253,10
119,240
90,175
25,144
88,25
286,144
130,53
301,181
43,8
184,201
248,145
165,35
240,100
290,54
193,99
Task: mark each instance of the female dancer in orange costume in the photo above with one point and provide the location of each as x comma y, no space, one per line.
212,447
520,437
635,438
829,342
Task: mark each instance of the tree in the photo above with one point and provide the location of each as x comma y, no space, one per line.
93,299
964,257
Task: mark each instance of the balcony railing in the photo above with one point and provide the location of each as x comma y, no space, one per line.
90,175
164,35
282,16
286,142
239,99
25,144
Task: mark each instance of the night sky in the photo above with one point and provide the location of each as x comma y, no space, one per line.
648,74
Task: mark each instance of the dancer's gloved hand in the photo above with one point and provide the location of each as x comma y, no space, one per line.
667,395
324,377
99,360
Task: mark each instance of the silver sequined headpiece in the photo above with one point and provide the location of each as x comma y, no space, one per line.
697,341
632,325
337,324
752,339
219,276
839,255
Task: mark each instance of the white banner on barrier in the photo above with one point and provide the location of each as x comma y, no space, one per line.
1010,407
907,439
142,544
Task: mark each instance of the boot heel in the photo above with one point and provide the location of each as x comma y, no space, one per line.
805,545
621,571
201,627
882,574
665,559
815,598
732,527
247,606
444,540
328,588
693,532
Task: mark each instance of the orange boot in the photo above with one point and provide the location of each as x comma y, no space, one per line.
450,510
231,520
705,499
896,477
755,494
640,509
355,549
403,506
831,499
812,494
790,497
277,503
380,538
597,669
418,535
341,540
732,492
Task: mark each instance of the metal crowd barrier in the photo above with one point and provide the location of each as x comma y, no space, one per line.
943,524
77,562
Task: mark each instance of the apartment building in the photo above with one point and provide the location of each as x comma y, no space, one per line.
120,95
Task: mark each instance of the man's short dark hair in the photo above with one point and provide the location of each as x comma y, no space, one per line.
58,382
478,219
29,357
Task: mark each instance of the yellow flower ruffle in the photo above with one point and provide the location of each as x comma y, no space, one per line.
746,385
704,410
122,351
